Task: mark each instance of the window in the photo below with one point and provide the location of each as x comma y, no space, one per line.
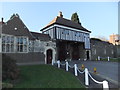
79,34
75,33
7,43
31,46
104,51
94,51
62,31
3,43
112,52
66,32
21,44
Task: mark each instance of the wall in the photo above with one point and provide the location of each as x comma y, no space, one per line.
118,50
102,49
0,43
27,57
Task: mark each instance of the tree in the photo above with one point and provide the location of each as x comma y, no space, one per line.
75,18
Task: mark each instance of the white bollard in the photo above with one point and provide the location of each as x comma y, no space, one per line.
86,77
105,85
66,66
108,58
98,57
52,62
58,64
75,68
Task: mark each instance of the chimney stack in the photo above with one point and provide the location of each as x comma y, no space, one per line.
60,14
2,19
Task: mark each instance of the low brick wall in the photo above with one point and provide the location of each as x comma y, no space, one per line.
27,57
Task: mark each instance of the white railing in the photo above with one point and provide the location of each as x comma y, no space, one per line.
108,58
87,74
99,58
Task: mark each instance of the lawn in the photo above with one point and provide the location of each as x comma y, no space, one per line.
46,76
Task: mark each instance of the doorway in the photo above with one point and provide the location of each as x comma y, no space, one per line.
49,56
75,51
88,57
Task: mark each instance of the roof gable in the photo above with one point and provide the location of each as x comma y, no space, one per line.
16,27
65,22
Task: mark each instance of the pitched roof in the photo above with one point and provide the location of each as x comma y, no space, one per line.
16,27
41,36
65,22
97,40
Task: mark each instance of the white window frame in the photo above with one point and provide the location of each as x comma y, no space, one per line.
23,51
14,44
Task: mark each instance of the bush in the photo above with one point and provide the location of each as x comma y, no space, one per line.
9,68
7,85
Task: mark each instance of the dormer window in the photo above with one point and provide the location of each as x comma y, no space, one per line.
15,28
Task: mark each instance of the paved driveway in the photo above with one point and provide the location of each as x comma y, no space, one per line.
107,70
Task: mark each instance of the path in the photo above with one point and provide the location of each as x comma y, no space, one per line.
106,71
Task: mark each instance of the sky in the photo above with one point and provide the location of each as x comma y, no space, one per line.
101,18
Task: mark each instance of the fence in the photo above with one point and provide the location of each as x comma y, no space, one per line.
99,58
108,58
87,74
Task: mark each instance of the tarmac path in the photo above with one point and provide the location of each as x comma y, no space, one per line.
106,70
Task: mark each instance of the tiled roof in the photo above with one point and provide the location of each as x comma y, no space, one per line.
1,22
65,22
40,36
97,40
16,27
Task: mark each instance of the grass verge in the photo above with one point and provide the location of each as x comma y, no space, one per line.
46,76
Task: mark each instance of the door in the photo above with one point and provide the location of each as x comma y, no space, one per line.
49,56
88,57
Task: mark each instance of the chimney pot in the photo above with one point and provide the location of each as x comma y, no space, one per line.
2,19
60,14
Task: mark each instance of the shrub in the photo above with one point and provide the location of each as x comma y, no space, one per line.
7,85
9,68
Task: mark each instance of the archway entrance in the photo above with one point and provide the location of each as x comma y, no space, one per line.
75,51
49,56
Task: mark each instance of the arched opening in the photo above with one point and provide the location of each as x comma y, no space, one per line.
49,56
75,51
